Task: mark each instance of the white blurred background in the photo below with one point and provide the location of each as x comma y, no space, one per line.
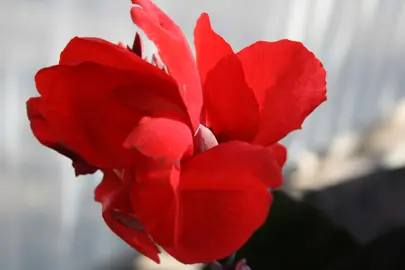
48,219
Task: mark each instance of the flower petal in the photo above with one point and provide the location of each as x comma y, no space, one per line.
108,54
117,213
174,52
230,106
43,132
80,105
224,199
288,82
163,142
154,197
231,109
108,185
209,46
153,101
280,153
162,139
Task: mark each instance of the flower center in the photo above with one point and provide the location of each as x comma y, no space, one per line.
204,139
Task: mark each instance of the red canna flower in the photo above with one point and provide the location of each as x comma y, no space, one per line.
188,155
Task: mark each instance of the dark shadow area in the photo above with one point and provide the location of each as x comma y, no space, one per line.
296,234
359,224
366,206
386,252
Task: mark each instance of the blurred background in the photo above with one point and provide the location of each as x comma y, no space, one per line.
48,219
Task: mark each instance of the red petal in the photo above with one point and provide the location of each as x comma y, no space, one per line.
136,239
230,105
117,213
162,139
154,194
80,107
231,108
108,185
89,99
155,200
151,99
174,52
111,55
44,133
224,199
105,53
280,153
209,46
288,82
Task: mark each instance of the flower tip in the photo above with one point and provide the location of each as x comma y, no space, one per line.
141,3
204,17
156,259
